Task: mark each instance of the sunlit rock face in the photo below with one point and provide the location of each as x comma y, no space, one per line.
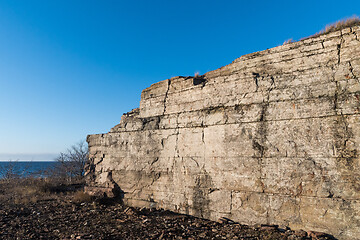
272,138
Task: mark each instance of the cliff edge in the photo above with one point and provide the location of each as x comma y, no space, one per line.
272,138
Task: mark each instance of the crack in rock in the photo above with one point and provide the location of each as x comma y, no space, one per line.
352,71
166,95
256,76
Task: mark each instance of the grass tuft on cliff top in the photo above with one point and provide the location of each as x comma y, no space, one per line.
341,24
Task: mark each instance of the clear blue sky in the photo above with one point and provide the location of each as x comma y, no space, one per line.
72,68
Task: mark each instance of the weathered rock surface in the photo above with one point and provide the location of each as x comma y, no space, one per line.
272,138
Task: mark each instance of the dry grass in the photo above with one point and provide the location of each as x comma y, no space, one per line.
22,191
345,23
288,41
30,190
81,196
341,24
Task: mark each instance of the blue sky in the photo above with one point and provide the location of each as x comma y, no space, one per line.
72,68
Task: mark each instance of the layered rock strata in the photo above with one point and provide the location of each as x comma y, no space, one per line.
272,138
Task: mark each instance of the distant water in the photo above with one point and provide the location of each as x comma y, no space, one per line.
25,168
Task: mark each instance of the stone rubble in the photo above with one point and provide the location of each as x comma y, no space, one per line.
61,219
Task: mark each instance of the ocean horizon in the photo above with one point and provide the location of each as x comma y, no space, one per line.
25,168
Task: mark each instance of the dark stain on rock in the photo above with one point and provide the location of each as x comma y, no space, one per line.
150,123
200,196
197,80
257,146
346,154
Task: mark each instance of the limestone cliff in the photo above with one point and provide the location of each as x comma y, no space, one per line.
271,138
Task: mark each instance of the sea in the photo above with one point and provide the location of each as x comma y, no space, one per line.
25,168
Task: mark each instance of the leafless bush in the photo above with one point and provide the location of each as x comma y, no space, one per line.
70,165
12,170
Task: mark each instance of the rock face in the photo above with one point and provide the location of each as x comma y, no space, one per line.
272,138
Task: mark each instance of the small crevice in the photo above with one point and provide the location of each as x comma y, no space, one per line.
155,177
203,136
167,137
325,213
335,106
338,53
162,143
299,190
197,164
256,79
356,36
352,71
337,89
260,148
176,143
331,194
339,48
264,108
100,161
272,86
226,117
211,190
154,161
166,94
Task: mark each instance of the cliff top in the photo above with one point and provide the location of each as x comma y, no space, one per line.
339,25
331,30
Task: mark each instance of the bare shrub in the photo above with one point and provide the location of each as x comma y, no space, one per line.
12,170
70,165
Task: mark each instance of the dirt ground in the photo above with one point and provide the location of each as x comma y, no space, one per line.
36,209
